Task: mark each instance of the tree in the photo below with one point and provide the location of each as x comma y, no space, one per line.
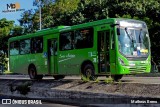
17,31
5,28
29,21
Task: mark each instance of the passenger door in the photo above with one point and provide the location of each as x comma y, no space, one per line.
52,56
106,49
103,51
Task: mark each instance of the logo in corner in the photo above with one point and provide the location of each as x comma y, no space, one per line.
13,7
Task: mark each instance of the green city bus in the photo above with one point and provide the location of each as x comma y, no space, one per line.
110,47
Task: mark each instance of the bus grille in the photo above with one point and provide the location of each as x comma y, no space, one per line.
137,69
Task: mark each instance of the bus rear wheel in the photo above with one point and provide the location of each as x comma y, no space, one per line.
116,77
33,73
58,77
88,72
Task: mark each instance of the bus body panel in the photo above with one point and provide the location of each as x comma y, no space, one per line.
23,62
70,61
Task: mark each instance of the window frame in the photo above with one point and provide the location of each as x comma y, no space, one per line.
92,31
72,38
20,46
34,51
14,48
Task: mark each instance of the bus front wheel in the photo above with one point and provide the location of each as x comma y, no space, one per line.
116,77
88,72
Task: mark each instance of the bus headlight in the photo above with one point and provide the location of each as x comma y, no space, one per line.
121,61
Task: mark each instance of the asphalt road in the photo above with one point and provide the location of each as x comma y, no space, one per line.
125,79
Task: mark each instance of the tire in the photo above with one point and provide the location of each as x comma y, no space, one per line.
32,72
116,77
58,77
88,72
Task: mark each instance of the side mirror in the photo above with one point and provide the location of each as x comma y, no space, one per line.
113,25
118,31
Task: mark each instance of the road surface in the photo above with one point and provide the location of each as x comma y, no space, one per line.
125,79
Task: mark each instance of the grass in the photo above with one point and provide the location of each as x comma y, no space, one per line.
85,79
109,80
7,72
97,81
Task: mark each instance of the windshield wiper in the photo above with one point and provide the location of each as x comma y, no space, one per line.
140,36
130,37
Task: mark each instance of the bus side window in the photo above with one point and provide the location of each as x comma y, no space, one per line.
55,48
112,41
14,48
84,38
25,46
66,41
101,43
37,45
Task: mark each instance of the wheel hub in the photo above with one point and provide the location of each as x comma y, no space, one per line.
88,72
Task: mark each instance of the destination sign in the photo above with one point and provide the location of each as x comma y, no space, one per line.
131,24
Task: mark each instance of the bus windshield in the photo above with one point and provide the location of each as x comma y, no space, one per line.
133,42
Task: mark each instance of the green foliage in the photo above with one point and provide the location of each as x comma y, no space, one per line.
85,79
16,31
30,21
97,81
5,27
109,80
3,61
63,6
